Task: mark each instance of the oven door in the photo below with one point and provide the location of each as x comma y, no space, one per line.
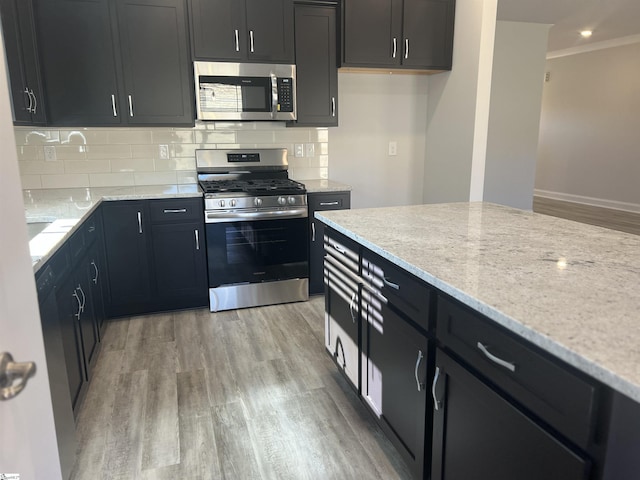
254,251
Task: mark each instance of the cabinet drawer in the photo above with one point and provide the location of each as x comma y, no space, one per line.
329,201
401,289
341,252
549,389
176,210
77,245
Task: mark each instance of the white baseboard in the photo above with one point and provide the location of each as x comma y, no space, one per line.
594,202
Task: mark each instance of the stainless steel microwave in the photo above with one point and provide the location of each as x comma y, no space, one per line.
245,91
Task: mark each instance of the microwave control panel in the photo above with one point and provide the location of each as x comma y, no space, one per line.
285,94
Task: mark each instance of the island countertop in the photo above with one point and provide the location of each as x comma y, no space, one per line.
571,289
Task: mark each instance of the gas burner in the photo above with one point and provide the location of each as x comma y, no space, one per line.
262,186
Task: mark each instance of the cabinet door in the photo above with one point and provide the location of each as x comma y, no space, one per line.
316,66
155,57
180,265
125,238
68,310
79,64
318,202
428,34
479,434
395,385
372,33
22,60
270,31
342,305
218,30
87,320
95,273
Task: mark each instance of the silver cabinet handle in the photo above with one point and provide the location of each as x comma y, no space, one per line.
10,371
353,299
237,40
140,222
113,105
395,47
197,234
339,249
35,101
503,363
130,106
95,279
313,231
406,48
436,403
26,92
92,229
251,40
333,106
84,298
75,294
389,284
328,204
177,210
415,372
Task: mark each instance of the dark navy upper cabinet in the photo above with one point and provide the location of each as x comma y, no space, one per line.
242,30
115,62
22,61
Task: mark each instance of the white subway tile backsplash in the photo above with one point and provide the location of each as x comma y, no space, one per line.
108,151
67,180
111,179
86,166
132,165
155,178
31,182
118,156
215,137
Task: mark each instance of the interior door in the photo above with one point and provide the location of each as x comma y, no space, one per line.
27,435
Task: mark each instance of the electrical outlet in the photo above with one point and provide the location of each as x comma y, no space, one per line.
393,148
50,153
299,150
310,150
164,152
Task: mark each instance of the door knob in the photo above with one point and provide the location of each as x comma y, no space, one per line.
11,372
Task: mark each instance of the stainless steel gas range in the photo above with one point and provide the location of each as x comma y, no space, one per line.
256,228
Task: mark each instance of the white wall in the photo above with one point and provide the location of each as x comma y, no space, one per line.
375,109
458,108
514,115
589,131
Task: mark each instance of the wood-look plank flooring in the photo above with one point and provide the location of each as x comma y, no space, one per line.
603,217
246,394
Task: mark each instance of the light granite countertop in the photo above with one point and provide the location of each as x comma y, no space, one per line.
571,289
324,185
65,208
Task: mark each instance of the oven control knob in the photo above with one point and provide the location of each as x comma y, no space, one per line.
221,203
282,201
257,202
292,200
232,202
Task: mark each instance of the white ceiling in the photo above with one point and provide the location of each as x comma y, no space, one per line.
609,19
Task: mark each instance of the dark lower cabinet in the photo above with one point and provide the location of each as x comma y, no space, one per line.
480,434
126,231
155,255
316,65
394,383
342,305
321,201
22,61
180,264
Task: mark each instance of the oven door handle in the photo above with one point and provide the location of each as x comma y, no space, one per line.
235,216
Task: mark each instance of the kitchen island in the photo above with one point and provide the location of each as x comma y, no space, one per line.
565,291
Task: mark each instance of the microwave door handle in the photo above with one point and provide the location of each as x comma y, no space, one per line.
274,95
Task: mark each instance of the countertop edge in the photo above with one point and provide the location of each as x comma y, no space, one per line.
588,367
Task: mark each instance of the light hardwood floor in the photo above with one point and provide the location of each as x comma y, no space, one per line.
247,394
